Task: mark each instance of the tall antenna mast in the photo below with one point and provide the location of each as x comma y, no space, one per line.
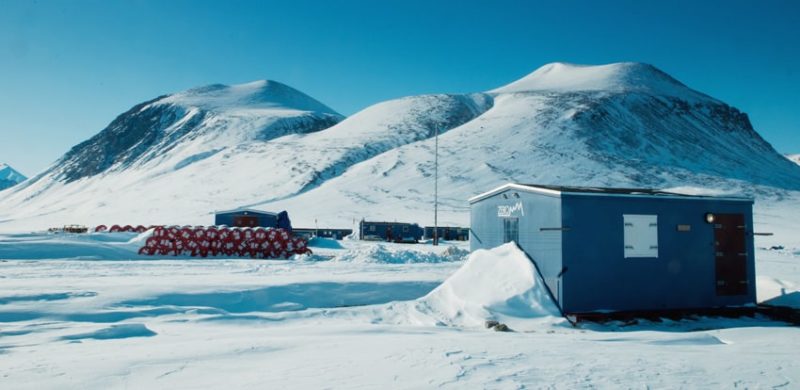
436,190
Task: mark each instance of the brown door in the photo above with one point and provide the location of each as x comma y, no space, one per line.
245,221
730,254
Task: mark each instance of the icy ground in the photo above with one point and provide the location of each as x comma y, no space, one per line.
81,312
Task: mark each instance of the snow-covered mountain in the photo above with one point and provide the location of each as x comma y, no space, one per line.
177,158
177,130
795,158
9,176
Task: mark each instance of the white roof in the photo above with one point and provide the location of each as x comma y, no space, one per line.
244,209
557,191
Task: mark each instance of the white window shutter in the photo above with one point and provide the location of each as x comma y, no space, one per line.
641,235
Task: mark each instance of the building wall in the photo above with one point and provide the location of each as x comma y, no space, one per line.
399,230
533,212
449,233
337,234
264,220
598,277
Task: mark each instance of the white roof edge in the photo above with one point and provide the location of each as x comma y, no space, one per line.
513,186
657,196
244,209
555,193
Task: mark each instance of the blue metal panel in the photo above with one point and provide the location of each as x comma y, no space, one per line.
534,212
390,231
264,219
448,233
598,277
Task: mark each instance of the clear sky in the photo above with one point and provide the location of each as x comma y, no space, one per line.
68,67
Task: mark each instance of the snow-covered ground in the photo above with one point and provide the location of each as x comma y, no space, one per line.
85,312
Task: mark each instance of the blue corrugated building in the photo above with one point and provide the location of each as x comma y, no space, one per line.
253,218
390,231
602,249
336,234
448,233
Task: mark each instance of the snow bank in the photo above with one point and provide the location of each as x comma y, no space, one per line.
382,254
777,292
97,246
122,331
325,243
499,284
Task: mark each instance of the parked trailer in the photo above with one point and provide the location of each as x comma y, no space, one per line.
77,229
390,231
336,234
448,233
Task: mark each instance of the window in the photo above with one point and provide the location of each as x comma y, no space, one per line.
405,229
510,229
641,235
372,228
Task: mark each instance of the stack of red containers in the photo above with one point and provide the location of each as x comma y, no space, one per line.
263,243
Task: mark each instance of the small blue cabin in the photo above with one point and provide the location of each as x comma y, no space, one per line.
253,218
390,231
611,249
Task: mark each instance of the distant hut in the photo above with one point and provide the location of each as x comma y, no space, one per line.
253,218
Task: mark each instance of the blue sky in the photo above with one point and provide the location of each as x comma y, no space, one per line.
68,67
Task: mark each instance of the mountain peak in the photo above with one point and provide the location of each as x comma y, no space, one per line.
9,176
616,77
261,94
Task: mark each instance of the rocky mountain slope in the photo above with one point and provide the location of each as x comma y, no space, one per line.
177,158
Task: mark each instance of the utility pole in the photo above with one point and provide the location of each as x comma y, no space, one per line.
436,190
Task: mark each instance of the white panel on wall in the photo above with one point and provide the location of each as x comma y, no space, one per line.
641,235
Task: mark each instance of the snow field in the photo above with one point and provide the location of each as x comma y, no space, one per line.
210,323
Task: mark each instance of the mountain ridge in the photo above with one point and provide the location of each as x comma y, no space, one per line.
223,147
268,108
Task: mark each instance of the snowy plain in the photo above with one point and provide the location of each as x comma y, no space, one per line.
359,315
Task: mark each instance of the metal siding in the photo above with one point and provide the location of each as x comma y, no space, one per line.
598,277
264,220
414,230
486,229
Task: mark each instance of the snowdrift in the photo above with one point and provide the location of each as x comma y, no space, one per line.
92,246
380,253
156,243
499,284
777,292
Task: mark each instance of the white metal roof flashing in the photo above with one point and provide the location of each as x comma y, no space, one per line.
597,191
513,186
245,210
